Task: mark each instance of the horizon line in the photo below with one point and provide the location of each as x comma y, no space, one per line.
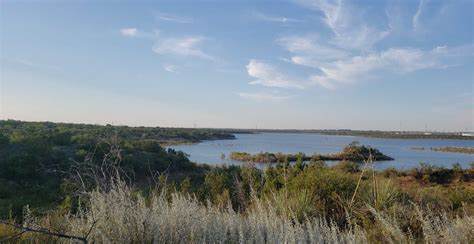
231,128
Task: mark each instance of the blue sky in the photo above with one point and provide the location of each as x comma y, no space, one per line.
308,64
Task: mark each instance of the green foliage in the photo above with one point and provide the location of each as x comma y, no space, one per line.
352,152
390,172
35,157
4,140
325,186
381,194
272,179
440,175
251,178
185,185
216,184
299,166
356,152
347,166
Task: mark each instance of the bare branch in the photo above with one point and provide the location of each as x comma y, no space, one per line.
44,231
13,237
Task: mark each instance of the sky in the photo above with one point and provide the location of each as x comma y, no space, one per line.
302,64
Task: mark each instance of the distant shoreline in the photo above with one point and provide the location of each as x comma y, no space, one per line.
465,150
335,132
367,134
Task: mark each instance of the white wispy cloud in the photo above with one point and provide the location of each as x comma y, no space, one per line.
173,18
270,18
189,46
268,76
170,68
396,60
186,46
262,96
348,24
134,32
353,69
309,51
350,55
416,17
131,32
346,71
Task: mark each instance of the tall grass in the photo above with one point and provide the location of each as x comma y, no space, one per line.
122,215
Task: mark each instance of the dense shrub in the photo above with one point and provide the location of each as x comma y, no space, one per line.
348,166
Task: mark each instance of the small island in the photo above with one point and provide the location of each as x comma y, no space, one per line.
467,150
352,152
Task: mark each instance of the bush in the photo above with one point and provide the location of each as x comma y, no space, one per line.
348,166
390,172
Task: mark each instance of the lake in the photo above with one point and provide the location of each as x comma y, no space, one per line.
210,152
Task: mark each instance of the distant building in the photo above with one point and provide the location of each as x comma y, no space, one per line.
467,134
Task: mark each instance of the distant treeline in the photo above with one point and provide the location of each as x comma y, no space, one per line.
63,133
368,133
352,152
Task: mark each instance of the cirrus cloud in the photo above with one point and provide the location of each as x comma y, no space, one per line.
187,46
271,18
350,54
395,60
173,18
268,76
348,24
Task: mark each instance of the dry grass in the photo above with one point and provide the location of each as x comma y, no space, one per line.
121,215
125,217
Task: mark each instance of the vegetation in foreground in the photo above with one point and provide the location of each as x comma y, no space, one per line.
352,152
299,203
467,150
133,190
122,215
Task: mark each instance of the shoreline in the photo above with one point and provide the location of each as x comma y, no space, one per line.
462,150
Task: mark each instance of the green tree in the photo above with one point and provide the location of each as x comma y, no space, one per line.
215,183
251,177
272,182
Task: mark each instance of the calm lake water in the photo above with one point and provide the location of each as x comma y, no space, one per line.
309,143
